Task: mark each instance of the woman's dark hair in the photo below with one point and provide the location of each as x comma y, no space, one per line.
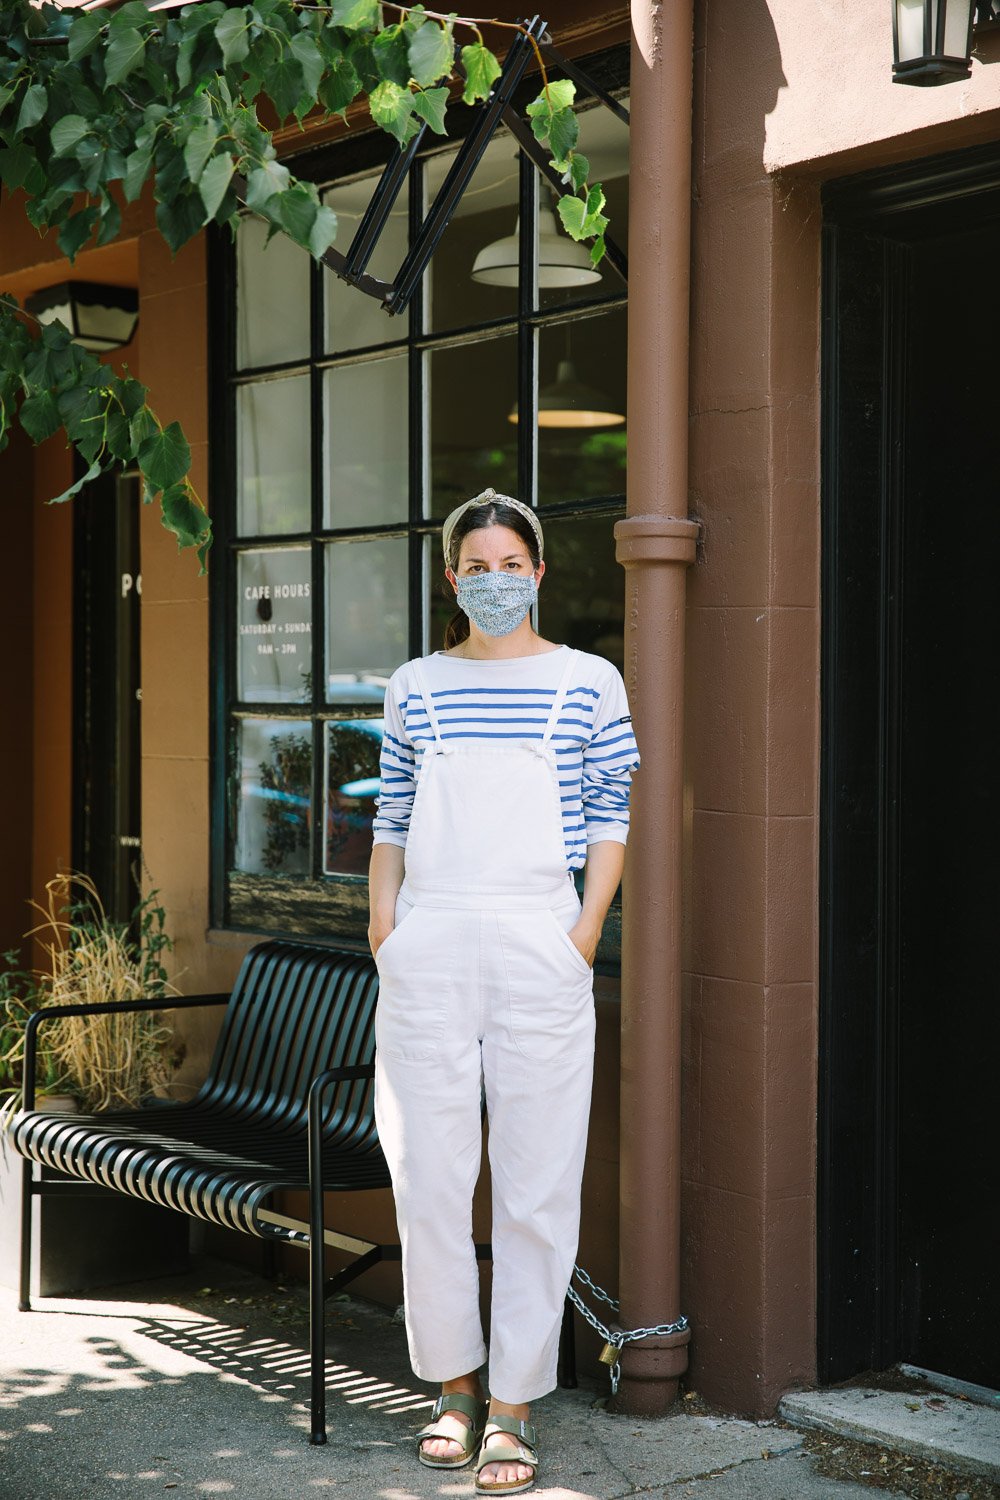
474,519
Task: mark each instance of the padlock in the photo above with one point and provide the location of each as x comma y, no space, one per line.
609,1354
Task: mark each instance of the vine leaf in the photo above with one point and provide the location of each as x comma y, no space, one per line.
165,457
481,71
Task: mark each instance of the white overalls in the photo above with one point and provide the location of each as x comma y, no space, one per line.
480,982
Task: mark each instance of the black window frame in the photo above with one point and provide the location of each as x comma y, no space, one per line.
328,904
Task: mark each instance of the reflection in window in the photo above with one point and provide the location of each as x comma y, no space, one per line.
581,601
473,442
274,768
456,292
581,393
367,617
366,441
275,625
272,324
272,466
352,319
352,784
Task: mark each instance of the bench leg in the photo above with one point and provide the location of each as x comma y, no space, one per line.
317,1316
567,1349
27,1224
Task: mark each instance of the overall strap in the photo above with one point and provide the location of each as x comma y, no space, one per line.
560,697
427,700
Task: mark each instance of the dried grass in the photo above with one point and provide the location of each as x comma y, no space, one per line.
110,1060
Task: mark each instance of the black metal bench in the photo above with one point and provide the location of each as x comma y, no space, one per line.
287,1104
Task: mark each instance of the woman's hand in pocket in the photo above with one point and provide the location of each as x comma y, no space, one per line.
378,931
585,937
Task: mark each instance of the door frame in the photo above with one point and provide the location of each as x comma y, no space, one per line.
870,220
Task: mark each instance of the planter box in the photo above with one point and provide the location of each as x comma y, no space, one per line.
86,1242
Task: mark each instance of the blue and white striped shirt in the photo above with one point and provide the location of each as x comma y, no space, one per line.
510,699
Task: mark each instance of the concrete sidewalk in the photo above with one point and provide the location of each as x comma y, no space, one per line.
198,1386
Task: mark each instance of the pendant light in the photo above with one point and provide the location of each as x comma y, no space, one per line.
562,262
569,402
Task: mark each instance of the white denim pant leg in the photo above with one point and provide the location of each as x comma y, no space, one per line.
538,1056
428,1112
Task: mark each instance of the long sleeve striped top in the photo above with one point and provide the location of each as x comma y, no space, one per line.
510,699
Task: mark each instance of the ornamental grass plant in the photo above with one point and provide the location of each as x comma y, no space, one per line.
106,1061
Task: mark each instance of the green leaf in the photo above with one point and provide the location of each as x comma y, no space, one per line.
560,95
180,218
165,457
66,132
33,107
295,210
136,171
40,416
323,232
117,436
84,33
74,489
232,32
214,181
391,107
199,146
183,516
125,52
391,55
340,86
597,250
142,425
284,82
595,199
76,231
578,168
16,164
564,131
355,15
571,212
131,393
263,182
430,105
431,53
310,60
481,72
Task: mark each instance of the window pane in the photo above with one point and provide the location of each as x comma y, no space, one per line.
484,226
274,766
272,297
582,598
604,142
275,626
472,392
352,781
353,319
366,609
366,463
581,390
273,466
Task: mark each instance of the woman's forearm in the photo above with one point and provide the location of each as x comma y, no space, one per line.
385,876
601,878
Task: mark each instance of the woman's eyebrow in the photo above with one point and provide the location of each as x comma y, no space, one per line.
503,559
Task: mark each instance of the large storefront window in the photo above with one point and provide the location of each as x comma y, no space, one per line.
342,437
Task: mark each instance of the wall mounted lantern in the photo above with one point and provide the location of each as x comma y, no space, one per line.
98,317
931,40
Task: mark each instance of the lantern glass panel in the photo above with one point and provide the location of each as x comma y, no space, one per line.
910,29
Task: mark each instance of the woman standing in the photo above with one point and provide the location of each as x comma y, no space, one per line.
505,767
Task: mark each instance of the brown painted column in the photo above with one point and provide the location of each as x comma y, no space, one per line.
656,543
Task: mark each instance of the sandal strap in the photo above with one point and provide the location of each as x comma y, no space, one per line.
459,1401
516,1426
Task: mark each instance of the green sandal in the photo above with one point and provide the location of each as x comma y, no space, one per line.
443,1426
525,1451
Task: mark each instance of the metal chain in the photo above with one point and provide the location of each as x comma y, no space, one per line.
617,1337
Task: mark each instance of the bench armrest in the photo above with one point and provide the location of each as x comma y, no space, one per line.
51,1012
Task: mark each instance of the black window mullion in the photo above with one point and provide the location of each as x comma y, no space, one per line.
527,337
317,569
417,430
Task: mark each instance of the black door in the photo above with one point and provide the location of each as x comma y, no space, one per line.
106,690
909,1235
